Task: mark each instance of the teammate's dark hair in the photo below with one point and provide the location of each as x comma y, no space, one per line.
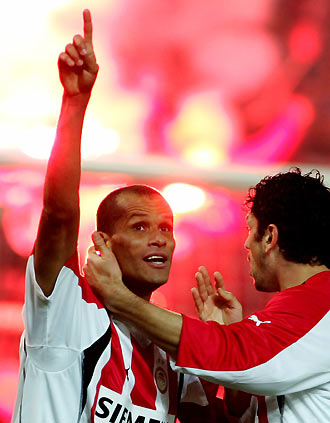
299,205
109,211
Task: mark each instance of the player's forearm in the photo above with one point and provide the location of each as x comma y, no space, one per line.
63,171
162,326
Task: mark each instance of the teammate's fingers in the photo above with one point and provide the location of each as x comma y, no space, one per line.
201,286
219,281
88,26
207,280
228,299
197,300
225,295
99,243
91,250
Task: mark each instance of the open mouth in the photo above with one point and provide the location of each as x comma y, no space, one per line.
157,259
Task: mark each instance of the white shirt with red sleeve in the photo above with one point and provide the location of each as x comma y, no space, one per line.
281,353
79,365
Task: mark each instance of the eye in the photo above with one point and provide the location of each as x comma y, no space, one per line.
139,227
166,228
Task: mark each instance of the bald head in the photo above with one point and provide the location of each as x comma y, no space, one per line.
111,207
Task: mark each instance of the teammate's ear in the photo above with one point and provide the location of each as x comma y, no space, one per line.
271,237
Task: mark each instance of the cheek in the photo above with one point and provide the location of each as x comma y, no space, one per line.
124,247
257,255
119,246
171,244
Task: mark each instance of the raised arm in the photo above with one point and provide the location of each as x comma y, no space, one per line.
59,223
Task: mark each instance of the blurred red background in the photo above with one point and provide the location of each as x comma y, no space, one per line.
211,95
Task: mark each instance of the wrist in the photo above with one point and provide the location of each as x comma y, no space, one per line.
121,300
73,108
77,100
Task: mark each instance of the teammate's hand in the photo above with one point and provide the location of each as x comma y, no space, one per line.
102,271
215,303
77,65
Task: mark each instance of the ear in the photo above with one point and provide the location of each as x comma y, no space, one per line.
270,237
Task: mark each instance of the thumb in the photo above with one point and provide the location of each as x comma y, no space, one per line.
99,242
229,298
226,296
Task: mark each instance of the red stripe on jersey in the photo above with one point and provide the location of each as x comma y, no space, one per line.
87,293
288,316
113,373
144,391
73,263
262,410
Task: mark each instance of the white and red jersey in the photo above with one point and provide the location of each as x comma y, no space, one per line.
281,353
80,365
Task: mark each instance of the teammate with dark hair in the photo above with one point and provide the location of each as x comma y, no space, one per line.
280,354
78,363
299,206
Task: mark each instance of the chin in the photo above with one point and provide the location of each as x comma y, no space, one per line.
263,287
144,286
258,284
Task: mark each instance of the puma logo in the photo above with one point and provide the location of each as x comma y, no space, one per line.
258,322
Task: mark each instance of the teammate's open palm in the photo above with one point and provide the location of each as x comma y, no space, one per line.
214,302
205,297
77,65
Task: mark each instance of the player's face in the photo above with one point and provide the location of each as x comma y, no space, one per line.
260,270
143,241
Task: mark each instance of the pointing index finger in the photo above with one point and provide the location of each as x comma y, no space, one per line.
88,26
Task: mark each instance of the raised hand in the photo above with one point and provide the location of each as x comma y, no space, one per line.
77,65
215,303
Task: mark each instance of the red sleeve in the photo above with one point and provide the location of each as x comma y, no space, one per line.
256,339
274,350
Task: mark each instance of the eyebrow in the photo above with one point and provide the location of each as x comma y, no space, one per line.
137,215
166,217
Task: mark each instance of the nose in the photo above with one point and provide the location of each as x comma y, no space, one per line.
247,243
157,239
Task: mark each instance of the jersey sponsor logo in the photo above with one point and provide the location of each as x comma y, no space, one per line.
115,408
161,379
258,322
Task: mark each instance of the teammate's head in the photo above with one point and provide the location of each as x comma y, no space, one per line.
299,205
139,224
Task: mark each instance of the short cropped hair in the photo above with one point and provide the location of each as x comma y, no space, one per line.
109,211
299,205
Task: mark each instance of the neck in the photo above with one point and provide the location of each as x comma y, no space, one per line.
138,289
294,274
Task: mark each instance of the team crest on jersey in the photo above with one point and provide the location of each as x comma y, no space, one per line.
161,379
